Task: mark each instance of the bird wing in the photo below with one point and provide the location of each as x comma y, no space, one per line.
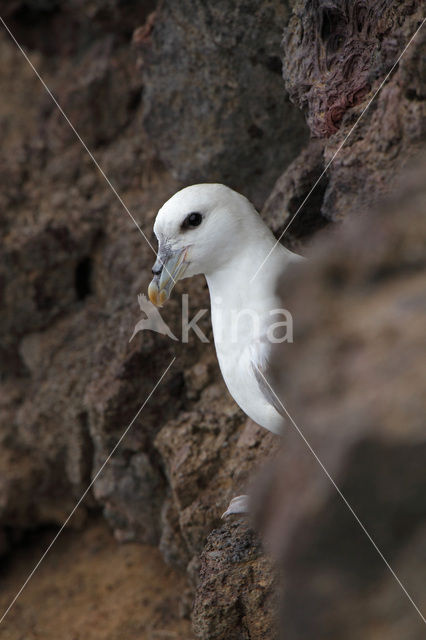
260,363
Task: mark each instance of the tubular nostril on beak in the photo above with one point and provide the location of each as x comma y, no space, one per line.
157,268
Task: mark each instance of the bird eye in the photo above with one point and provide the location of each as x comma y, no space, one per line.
192,220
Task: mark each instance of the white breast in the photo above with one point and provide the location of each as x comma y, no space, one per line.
241,345
241,315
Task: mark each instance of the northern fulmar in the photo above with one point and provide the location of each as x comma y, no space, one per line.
212,230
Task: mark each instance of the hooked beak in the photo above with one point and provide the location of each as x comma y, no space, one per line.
168,269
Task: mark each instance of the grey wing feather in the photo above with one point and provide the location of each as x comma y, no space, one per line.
265,389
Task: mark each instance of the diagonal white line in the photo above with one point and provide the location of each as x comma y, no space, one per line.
345,500
341,146
95,162
85,493
84,145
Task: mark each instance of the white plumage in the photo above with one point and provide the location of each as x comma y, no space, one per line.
211,229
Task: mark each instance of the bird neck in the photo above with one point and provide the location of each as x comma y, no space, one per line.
236,284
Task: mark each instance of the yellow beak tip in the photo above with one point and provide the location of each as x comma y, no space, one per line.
153,293
156,296
162,298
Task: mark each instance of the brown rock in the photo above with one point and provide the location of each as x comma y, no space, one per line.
236,596
362,172
291,209
335,51
354,384
71,269
73,262
215,108
209,456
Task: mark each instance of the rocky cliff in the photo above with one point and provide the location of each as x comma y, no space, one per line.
259,95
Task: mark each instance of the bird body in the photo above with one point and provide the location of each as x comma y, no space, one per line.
242,313
211,229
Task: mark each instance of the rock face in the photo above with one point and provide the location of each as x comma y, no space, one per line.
210,455
361,405
164,95
335,51
214,105
388,135
236,598
70,380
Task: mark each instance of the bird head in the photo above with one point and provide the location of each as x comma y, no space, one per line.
197,231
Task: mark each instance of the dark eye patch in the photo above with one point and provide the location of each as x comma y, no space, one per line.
193,219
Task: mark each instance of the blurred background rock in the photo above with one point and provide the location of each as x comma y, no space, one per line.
165,94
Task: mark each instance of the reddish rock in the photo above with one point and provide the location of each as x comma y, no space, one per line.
236,596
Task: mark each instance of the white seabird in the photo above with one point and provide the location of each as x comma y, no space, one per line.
213,230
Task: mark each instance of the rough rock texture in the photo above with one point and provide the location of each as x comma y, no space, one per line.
237,594
155,94
210,455
71,381
225,116
334,51
390,132
290,210
72,264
